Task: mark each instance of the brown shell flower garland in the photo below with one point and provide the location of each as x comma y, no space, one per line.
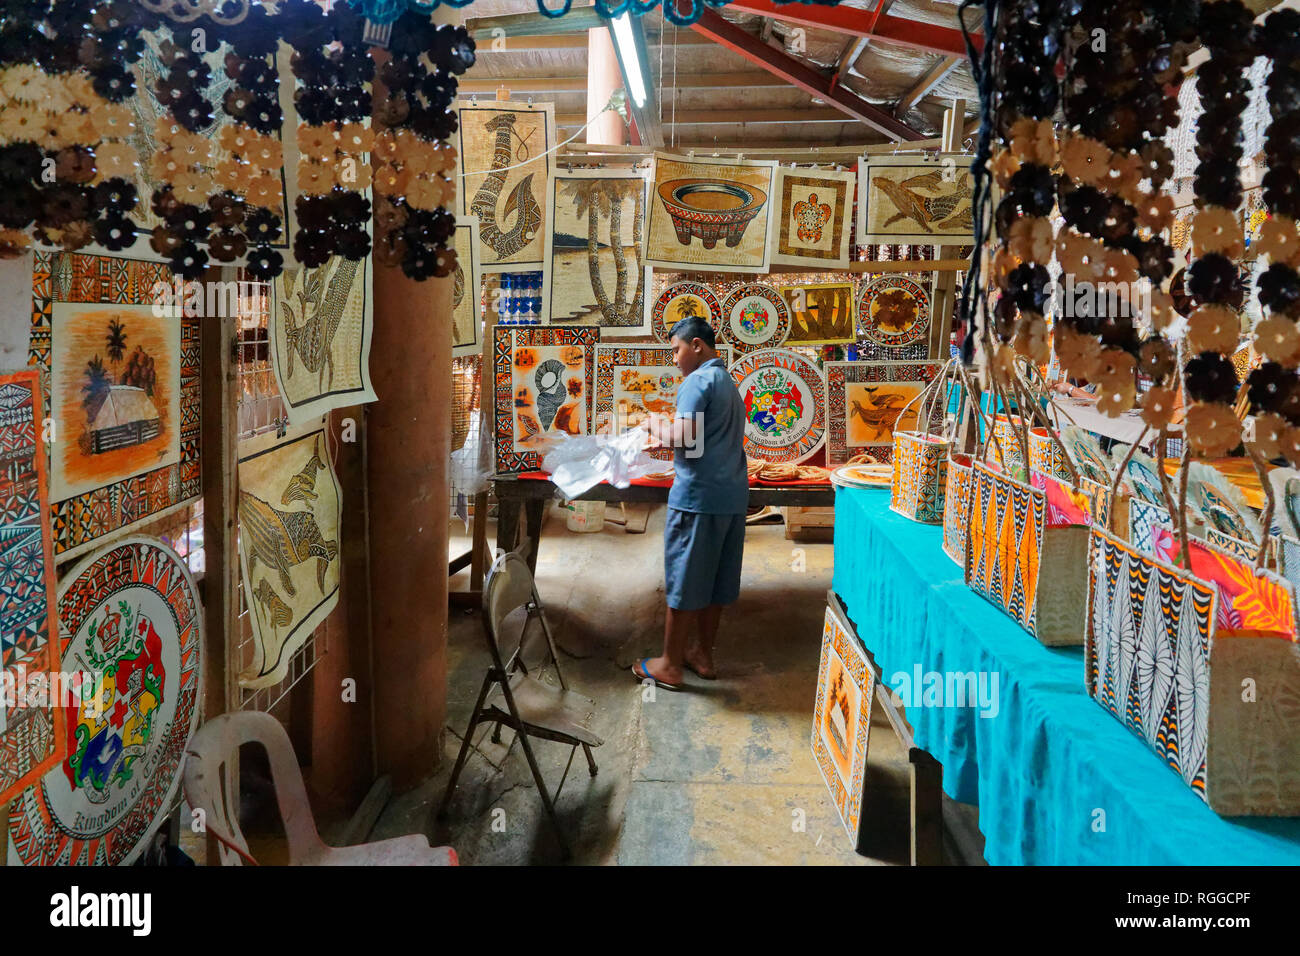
248,209
181,160
50,138
1273,388
1110,249
1023,168
1213,281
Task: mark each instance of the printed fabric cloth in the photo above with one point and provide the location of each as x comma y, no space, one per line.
1051,757
1066,505
1247,601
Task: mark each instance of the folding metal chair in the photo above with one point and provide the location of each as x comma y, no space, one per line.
513,697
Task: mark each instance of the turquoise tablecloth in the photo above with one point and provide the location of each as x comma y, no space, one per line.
1051,768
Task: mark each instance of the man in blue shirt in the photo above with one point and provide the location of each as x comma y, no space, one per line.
704,534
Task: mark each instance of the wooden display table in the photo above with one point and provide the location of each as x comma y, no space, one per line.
531,494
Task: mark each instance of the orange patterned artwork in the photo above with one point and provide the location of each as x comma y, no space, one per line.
550,393
842,719
814,206
115,394
876,410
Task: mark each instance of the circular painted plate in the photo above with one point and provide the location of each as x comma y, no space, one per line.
755,317
785,404
863,476
893,311
681,301
130,611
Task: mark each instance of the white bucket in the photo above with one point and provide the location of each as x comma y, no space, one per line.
585,516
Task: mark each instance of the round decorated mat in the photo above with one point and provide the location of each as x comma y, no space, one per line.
1140,474
755,317
131,619
1086,452
893,311
863,476
681,301
785,405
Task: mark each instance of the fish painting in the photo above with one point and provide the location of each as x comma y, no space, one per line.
929,212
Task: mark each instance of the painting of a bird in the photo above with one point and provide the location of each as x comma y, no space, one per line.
879,414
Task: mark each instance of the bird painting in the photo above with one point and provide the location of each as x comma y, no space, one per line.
879,414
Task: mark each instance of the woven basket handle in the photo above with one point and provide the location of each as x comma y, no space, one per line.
928,395
990,439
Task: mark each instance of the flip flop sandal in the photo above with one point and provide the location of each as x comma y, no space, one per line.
640,673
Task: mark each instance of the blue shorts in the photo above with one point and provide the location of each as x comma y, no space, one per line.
702,558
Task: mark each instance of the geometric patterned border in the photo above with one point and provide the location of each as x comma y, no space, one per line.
661,328
32,738
839,375
840,186
795,367
910,345
80,522
40,832
504,343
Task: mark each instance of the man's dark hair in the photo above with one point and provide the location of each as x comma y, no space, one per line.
693,327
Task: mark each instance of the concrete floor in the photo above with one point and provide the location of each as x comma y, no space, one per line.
718,774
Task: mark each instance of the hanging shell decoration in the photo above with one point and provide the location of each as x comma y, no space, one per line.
187,11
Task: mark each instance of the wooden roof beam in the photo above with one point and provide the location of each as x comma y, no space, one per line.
852,50
925,84
578,84
728,117
800,74
875,25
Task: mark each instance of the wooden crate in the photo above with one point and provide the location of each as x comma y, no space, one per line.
799,520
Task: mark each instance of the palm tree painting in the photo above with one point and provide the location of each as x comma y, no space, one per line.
115,341
115,392
96,385
593,247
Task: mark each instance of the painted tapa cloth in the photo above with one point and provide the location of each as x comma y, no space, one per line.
321,325
289,517
31,729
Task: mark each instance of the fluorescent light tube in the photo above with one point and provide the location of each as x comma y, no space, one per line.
626,44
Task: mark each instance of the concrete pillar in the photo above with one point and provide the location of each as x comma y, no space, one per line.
603,78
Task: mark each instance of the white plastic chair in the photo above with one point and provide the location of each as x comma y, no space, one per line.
208,782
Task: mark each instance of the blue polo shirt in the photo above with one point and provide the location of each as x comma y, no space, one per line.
710,476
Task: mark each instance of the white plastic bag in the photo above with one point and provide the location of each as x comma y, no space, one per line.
579,463
470,467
